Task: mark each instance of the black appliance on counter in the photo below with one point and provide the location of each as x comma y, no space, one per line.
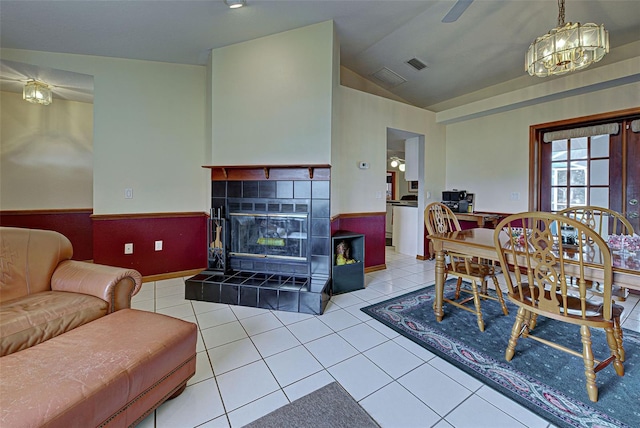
456,200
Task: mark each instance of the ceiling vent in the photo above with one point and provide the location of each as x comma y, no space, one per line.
417,64
388,77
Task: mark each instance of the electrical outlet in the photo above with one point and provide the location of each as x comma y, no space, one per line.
158,245
128,193
515,196
128,248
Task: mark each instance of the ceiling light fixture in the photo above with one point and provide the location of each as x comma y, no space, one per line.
397,162
234,4
37,93
568,47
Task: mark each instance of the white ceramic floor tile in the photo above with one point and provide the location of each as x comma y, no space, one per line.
144,305
203,369
256,409
168,301
356,312
383,329
200,307
456,374
146,292
510,407
246,384
198,403
236,354
214,318
180,311
435,389
260,323
339,320
363,337
310,329
169,282
345,300
393,359
170,290
331,349
223,334
359,376
247,311
287,318
292,365
414,348
394,406
367,294
219,422
475,412
308,385
274,341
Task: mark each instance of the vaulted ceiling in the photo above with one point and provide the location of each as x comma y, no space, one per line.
483,47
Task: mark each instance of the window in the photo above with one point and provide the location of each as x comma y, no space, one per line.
579,172
587,161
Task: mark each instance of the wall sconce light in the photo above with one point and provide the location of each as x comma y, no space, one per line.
37,93
397,162
402,167
235,4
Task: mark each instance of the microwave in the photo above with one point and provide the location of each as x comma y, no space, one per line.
454,195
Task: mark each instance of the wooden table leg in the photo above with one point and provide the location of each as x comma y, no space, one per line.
440,277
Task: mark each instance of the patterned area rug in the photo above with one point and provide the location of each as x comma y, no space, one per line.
547,381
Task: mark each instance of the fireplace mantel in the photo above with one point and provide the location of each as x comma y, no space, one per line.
266,172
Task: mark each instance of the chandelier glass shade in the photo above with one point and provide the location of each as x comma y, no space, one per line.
568,47
37,92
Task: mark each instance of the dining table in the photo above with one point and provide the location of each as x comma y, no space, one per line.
479,242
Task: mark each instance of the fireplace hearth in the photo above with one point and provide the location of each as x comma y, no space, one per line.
269,239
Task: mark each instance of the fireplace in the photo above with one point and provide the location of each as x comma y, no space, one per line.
269,239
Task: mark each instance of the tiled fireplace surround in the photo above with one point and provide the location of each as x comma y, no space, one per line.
298,284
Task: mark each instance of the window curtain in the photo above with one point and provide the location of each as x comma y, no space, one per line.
587,131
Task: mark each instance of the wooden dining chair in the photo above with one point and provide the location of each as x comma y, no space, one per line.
439,218
605,222
538,286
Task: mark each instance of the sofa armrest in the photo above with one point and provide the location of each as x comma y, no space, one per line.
114,285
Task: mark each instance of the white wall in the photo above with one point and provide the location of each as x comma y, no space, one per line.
489,156
149,131
272,99
362,136
46,154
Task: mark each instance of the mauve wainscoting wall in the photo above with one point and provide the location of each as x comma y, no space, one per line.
372,226
183,236
75,224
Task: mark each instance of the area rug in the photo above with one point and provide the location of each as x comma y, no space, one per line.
328,407
549,382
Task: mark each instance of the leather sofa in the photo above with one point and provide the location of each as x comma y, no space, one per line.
43,293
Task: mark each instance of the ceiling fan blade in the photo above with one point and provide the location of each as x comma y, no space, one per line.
456,11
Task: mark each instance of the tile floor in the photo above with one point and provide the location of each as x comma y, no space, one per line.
252,361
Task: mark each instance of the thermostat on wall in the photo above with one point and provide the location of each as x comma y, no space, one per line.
363,165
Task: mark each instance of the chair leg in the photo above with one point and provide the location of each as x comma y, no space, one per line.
613,348
500,298
515,334
617,333
476,302
458,285
587,356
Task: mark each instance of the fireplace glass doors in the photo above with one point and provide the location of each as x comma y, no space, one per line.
269,235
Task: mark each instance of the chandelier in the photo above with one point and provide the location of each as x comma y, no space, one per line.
37,92
568,47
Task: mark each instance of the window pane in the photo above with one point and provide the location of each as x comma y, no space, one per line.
599,196
559,198
579,148
600,146
559,150
599,173
578,196
559,174
579,173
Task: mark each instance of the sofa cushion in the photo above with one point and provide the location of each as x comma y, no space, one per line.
28,258
110,372
30,320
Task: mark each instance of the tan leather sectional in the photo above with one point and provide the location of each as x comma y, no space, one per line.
72,353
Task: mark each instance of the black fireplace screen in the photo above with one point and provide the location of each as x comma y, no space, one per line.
269,235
